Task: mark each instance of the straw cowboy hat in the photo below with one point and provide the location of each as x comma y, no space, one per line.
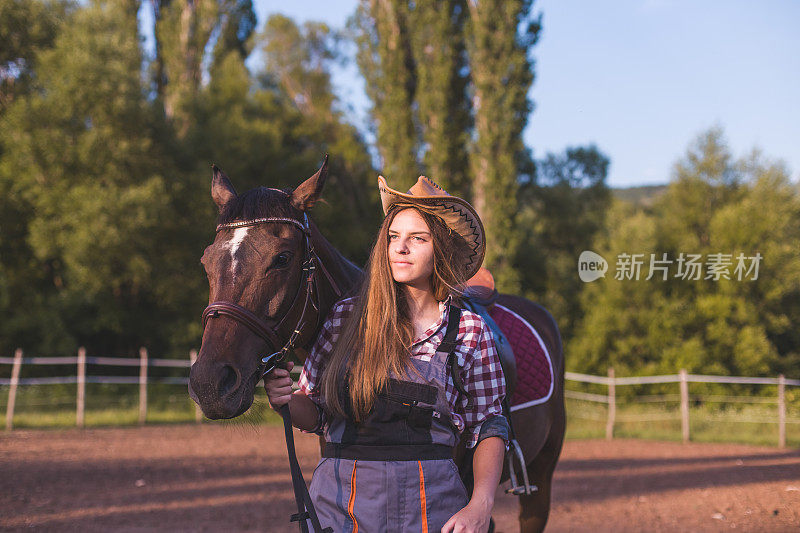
457,214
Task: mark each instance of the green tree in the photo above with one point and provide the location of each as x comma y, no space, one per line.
87,156
500,37
437,42
618,314
386,61
187,32
765,219
561,212
714,205
297,60
26,28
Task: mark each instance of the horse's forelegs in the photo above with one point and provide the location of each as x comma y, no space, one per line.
535,508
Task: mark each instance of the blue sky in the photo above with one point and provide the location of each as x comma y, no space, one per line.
642,78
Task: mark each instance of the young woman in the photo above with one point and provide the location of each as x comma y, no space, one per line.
399,373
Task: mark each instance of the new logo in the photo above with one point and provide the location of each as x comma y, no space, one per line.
591,266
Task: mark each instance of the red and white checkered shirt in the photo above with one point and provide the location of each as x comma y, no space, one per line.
481,373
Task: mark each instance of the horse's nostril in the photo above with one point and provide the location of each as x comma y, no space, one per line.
229,380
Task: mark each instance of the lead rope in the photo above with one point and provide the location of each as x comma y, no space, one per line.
305,507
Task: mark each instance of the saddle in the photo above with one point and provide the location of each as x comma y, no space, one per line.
479,297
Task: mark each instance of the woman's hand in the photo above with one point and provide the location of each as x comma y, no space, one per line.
474,518
278,385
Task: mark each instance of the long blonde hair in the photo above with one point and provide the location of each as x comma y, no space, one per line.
375,339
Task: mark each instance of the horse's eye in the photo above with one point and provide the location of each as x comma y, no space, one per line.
281,259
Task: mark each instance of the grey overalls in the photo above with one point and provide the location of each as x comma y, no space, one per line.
394,472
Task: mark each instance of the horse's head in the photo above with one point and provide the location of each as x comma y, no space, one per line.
257,285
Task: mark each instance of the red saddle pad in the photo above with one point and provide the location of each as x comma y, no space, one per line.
534,367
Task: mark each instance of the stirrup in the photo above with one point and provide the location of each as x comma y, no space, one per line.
516,489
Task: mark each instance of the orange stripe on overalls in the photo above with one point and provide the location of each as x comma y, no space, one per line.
352,502
422,502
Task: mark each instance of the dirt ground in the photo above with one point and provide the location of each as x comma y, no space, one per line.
235,478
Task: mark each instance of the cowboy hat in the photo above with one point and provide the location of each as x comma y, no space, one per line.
456,213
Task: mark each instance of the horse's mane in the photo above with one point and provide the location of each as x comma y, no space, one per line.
259,203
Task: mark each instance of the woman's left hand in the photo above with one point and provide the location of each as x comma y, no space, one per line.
474,518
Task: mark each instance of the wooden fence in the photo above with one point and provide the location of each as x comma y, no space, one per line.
81,379
683,378
81,361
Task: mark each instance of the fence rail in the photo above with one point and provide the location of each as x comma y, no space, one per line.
80,362
143,362
683,378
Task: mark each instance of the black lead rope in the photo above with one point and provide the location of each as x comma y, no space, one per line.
305,507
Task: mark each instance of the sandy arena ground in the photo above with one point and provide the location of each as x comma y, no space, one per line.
213,477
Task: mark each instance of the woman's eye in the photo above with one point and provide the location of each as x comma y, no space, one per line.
392,237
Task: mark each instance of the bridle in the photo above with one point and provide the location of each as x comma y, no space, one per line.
271,334
259,326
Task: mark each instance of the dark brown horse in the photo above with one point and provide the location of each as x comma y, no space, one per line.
273,278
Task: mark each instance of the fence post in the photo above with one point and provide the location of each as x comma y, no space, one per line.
81,400
612,404
198,414
12,390
781,411
142,385
684,405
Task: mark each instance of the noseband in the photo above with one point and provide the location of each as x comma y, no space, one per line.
256,324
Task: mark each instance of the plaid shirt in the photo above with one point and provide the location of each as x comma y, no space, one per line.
481,373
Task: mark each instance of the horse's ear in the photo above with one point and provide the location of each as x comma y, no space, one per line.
222,190
307,193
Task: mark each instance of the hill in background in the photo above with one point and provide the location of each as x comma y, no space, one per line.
643,195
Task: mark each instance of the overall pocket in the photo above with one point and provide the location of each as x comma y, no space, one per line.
457,475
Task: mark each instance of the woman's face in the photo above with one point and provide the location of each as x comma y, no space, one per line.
411,249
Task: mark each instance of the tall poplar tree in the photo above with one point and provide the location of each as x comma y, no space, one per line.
437,36
387,64
186,31
500,36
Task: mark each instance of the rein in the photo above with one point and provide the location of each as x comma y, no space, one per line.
305,507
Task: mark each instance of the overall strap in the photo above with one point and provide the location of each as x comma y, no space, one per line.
448,346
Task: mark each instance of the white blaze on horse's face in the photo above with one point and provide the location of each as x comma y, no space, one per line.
233,246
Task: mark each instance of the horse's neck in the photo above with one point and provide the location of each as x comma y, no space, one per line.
344,272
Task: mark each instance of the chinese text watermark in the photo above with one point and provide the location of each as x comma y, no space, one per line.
686,266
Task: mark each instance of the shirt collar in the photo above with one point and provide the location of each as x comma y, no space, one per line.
444,306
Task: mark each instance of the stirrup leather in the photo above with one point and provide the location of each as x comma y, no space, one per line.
517,489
